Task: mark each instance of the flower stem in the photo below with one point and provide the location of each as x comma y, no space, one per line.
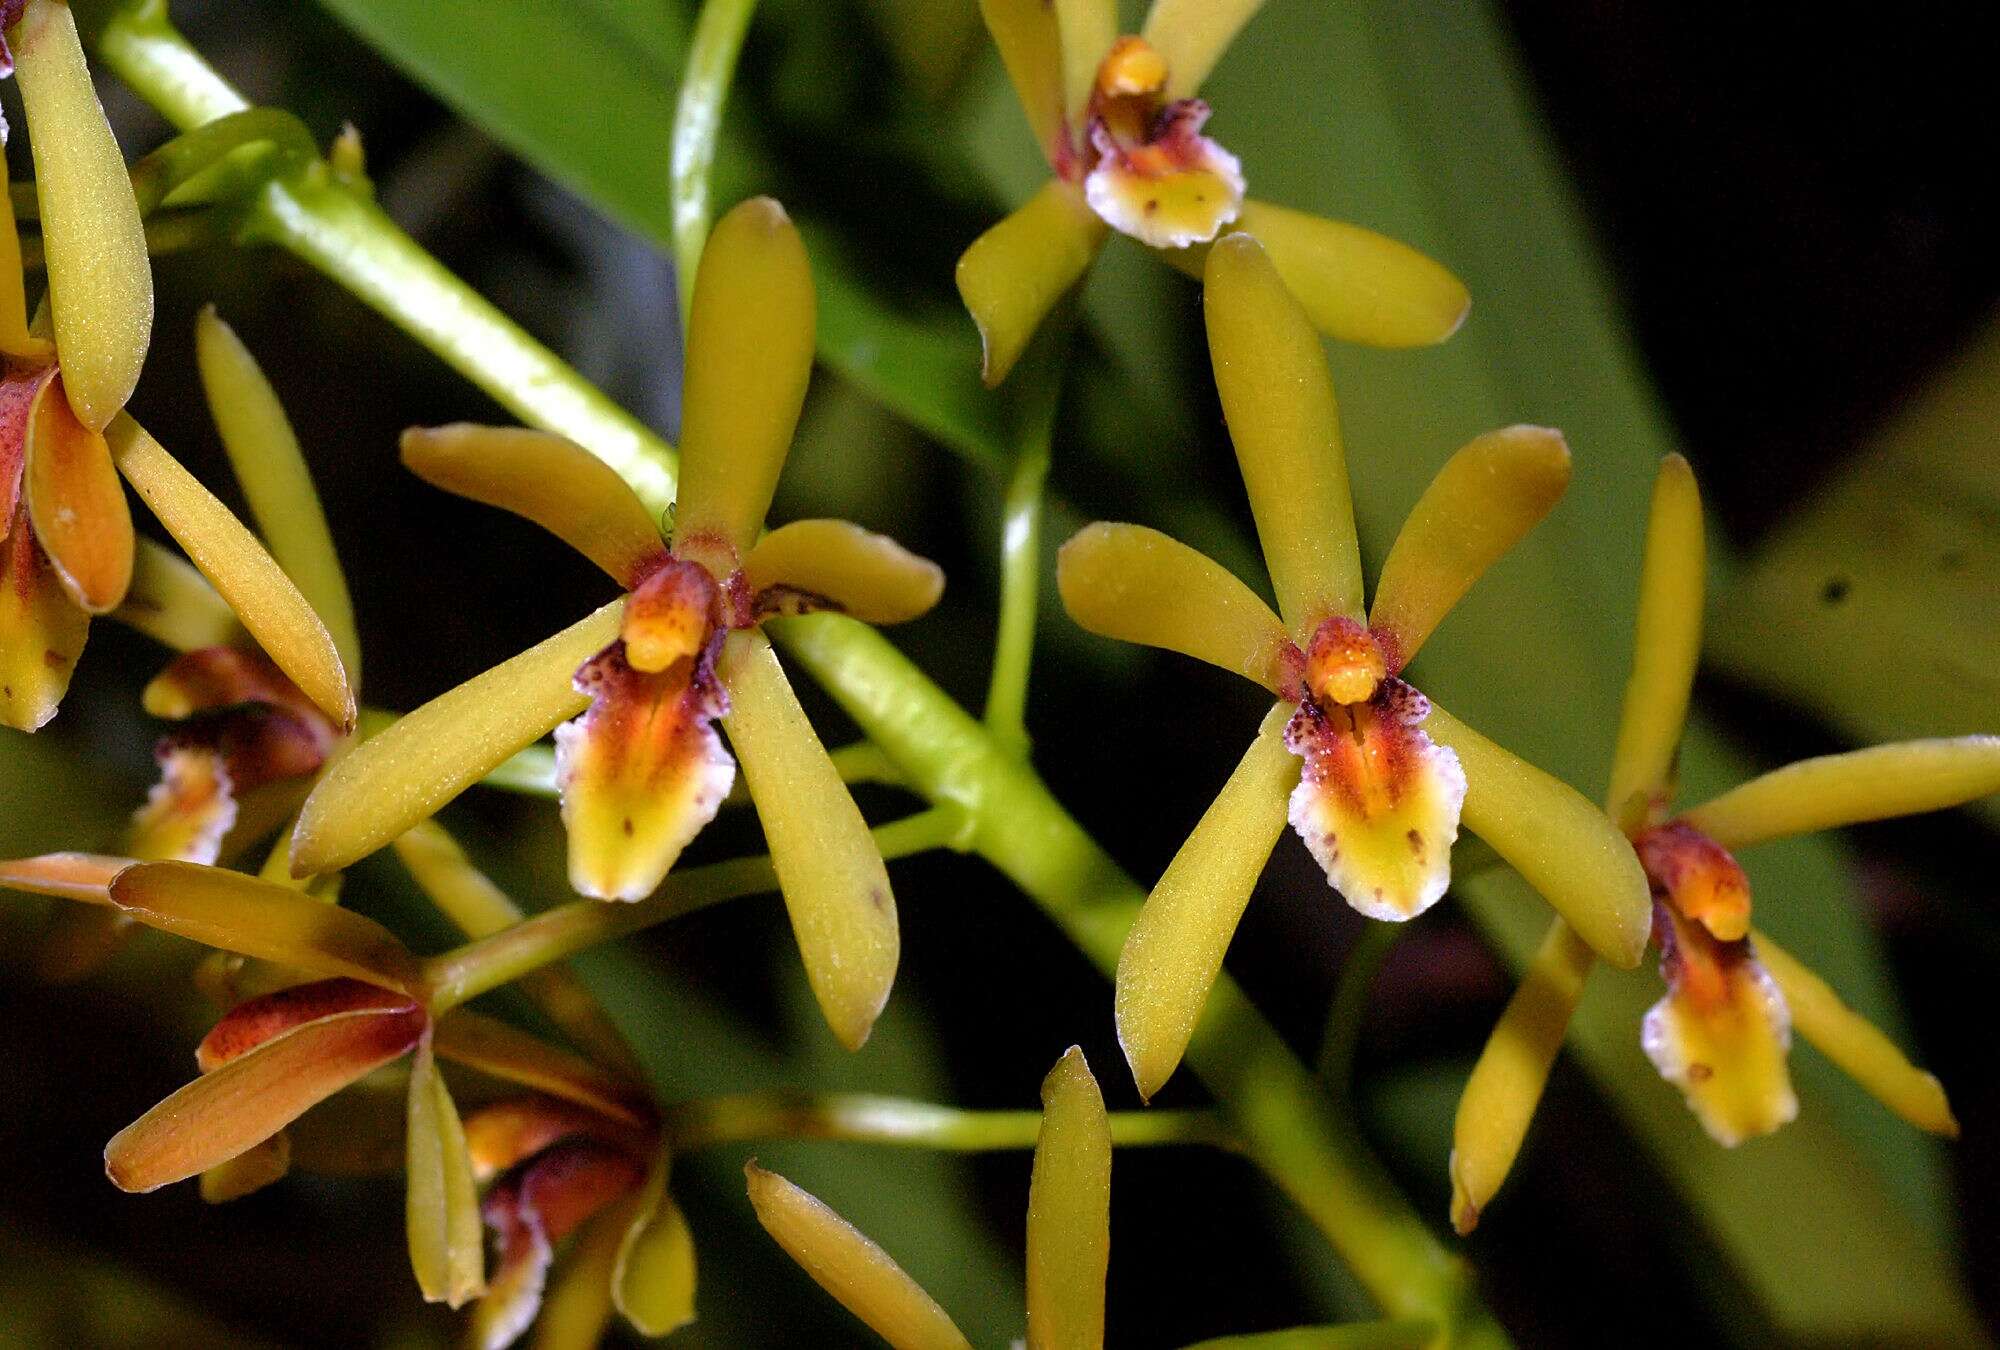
862,1118
711,66
1021,560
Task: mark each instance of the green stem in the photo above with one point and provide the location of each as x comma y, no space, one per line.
711,65
862,1118
1020,586
1350,1004
479,967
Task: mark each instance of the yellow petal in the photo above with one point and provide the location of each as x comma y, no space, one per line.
100,279
835,886
1069,1211
1175,948
1721,1034
577,1306
1138,585
1483,501
835,564
249,1171
254,1095
14,338
1031,49
1278,399
76,504
654,1278
1903,779
554,482
41,632
498,1050
1560,844
242,914
269,605
641,772
1506,1084
408,772
850,1267
188,812
749,354
1378,802
441,1211
1666,644
271,469
1857,1045
1085,30
83,877
170,603
1191,36
1012,275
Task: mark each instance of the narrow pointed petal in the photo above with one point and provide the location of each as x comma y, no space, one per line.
242,914
502,1051
654,1279
835,564
1175,949
170,603
577,1306
248,1172
271,469
1666,645
1191,36
1378,801
1085,30
1138,585
83,877
1721,1034
1030,46
14,336
545,478
1903,779
1483,502
100,279
1069,1211
251,1097
441,1212
641,772
76,504
749,354
1012,275
188,813
1857,1045
256,588
1506,1084
1560,844
835,886
849,1266
1278,400
41,632
409,771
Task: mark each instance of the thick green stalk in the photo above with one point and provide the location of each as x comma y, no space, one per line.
711,66
862,1118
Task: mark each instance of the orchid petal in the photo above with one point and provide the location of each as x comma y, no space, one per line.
408,772
545,478
271,469
847,1265
246,1100
189,812
83,877
100,278
446,1237
21,385
829,869
1903,779
242,914
249,1171
1278,400
76,504
1721,1034
1666,645
577,1303
1506,1084
170,603
1012,275
1857,1045
654,1278
1030,46
41,632
1085,30
256,588
501,1051
1175,948
1069,1211
1483,502
1560,844
1138,585
749,355
835,564
1167,186
1191,36
14,336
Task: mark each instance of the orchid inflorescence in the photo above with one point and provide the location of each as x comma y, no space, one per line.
566,1155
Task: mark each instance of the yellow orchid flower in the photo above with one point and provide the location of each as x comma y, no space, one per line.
1376,777
1118,121
1734,998
642,769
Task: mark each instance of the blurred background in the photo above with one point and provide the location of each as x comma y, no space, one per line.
1755,236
